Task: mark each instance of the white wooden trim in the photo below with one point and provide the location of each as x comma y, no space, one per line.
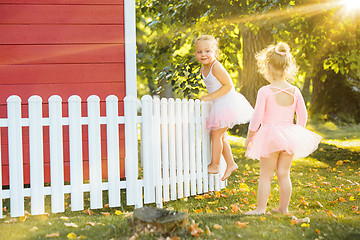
130,47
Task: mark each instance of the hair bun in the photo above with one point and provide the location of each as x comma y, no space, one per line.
282,48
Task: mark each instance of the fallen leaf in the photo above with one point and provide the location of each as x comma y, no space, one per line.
194,229
71,225
91,224
13,220
23,218
88,211
305,225
33,229
319,204
71,235
242,224
208,232
262,218
118,212
214,202
317,231
342,199
51,235
340,162
105,213
64,218
217,226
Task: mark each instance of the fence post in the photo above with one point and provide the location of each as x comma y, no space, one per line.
198,148
172,152
113,155
76,151
94,152
15,156
147,149
131,150
185,145
192,147
157,152
165,148
36,155
56,154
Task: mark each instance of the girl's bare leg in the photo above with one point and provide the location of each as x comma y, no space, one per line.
231,166
217,149
285,187
267,169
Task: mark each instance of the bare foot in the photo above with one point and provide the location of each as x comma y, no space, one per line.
255,212
278,210
213,169
229,171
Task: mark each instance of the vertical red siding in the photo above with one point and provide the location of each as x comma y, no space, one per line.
62,47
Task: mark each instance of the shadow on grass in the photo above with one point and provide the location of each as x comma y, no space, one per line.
331,154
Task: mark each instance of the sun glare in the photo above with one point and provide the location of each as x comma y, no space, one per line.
352,4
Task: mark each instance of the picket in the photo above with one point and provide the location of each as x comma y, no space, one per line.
198,152
174,144
113,154
15,156
76,157
185,145
36,155
56,154
131,150
192,147
157,152
172,152
95,172
179,150
207,186
165,149
147,149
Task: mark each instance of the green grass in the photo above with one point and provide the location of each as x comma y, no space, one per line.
330,176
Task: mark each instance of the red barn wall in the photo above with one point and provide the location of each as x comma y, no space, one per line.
61,47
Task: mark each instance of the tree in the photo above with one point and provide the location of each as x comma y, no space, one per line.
321,40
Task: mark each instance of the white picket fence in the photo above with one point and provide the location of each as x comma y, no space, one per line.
174,143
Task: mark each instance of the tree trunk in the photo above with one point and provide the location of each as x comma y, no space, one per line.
251,79
306,89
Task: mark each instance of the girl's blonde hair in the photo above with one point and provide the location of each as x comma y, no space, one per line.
211,39
278,57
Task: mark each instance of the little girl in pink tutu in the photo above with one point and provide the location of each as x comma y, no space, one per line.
273,138
228,106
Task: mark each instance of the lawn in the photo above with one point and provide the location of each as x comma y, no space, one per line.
324,204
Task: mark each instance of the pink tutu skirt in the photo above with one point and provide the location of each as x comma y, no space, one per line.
229,110
294,139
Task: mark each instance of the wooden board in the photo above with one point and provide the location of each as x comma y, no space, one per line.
61,14
61,34
61,54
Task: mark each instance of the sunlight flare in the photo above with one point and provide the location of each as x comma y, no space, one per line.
352,4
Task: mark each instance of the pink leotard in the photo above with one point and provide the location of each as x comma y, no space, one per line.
275,126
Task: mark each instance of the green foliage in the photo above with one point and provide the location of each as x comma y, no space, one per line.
323,35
